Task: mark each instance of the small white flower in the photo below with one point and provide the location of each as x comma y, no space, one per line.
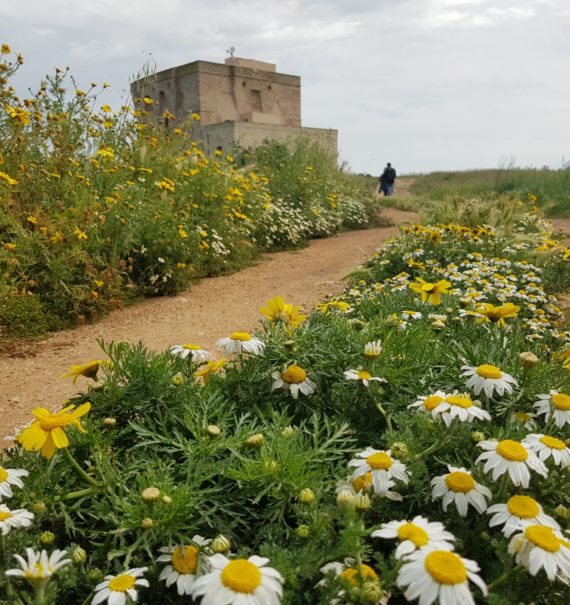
382,466
239,582
439,575
11,519
555,405
526,419
362,375
196,352
295,380
373,349
184,565
39,567
512,457
240,342
538,547
489,379
428,403
8,478
117,589
458,486
350,575
519,511
415,534
545,447
459,406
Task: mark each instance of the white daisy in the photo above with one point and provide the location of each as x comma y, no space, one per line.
373,349
545,446
459,406
295,380
8,478
363,376
363,484
39,567
382,466
239,582
411,315
352,576
539,547
416,534
117,589
185,563
512,457
527,419
517,512
458,486
240,342
554,404
428,403
439,574
196,352
10,519
489,379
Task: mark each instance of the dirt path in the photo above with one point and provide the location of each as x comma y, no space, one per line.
211,309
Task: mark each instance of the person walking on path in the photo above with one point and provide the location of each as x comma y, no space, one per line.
387,180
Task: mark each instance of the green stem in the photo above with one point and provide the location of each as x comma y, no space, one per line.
88,599
78,468
40,595
78,494
435,446
502,579
386,416
4,564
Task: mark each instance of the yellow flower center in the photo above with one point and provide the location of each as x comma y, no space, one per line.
240,575
122,583
5,515
445,567
512,450
185,560
363,375
523,417
37,571
561,401
240,336
551,442
3,474
294,375
415,534
523,507
55,421
461,401
543,537
431,402
459,481
379,461
353,574
362,483
488,371
193,347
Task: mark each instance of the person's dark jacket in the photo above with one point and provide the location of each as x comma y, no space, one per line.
389,175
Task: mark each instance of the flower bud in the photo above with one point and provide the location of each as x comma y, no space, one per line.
478,436
437,324
220,544
306,496
303,531
255,440
94,575
167,499
214,430
562,511
47,537
150,494
362,502
39,507
345,500
178,379
528,359
147,523
109,422
371,592
78,555
288,432
357,324
399,450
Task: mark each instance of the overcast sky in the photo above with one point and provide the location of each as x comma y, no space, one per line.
425,84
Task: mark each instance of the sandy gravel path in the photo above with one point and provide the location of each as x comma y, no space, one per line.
210,309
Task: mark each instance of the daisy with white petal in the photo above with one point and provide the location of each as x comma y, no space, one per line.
519,511
539,547
239,582
295,380
488,379
459,406
241,342
365,377
432,575
382,466
415,534
116,590
373,349
363,484
428,403
12,519
352,576
545,447
10,477
512,457
39,568
195,352
526,419
458,486
184,565
555,405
